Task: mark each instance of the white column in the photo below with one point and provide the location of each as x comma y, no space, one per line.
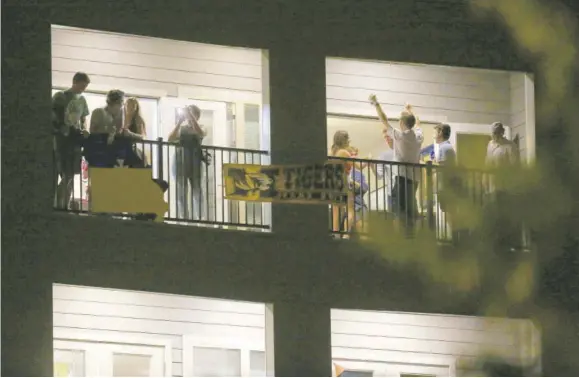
530,117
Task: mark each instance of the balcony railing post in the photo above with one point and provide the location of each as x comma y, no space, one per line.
160,157
430,195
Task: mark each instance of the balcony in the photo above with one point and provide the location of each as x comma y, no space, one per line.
449,203
194,197
380,194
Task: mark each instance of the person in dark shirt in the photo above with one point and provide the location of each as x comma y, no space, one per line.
105,122
189,134
69,112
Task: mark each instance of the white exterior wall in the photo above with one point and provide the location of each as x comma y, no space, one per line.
356,335
518,120
111,312
154,66
457,95
428,339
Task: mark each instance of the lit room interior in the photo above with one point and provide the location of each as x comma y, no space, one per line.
467,99
166,75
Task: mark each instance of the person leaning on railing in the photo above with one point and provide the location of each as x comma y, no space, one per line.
126,145
104,123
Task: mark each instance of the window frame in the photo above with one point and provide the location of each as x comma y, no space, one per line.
98,346
387,368
245,346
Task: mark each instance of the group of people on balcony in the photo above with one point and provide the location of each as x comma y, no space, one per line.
112,139
115,130
402,172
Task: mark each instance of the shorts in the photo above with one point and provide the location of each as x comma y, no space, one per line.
67,155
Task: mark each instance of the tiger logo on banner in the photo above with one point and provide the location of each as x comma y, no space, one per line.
315,183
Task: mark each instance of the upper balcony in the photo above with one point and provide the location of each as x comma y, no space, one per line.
194,192
413,197
450,204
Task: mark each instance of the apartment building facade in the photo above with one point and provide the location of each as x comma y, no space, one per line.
296,267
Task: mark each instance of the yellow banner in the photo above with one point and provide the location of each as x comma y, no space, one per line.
315,183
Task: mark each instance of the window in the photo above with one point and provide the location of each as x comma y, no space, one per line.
223,357
257,364
69,363
132,365
86,355
371,368
357,373
216,362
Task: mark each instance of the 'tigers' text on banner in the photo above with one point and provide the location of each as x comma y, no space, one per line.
307,184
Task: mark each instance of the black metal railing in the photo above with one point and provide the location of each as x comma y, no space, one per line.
192,181
418,196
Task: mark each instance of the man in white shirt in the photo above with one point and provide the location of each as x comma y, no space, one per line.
407,142
501,151
502,154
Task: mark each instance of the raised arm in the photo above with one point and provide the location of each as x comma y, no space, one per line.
416,128
174,136
381,115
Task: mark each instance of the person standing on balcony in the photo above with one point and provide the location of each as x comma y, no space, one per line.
502,155
446,184
69,112
189,134
340,149
407,142
359,186
133,131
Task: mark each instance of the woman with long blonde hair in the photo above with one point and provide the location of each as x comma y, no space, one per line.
188,136
134,127
340,146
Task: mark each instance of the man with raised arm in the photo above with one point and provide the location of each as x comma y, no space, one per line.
407,140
